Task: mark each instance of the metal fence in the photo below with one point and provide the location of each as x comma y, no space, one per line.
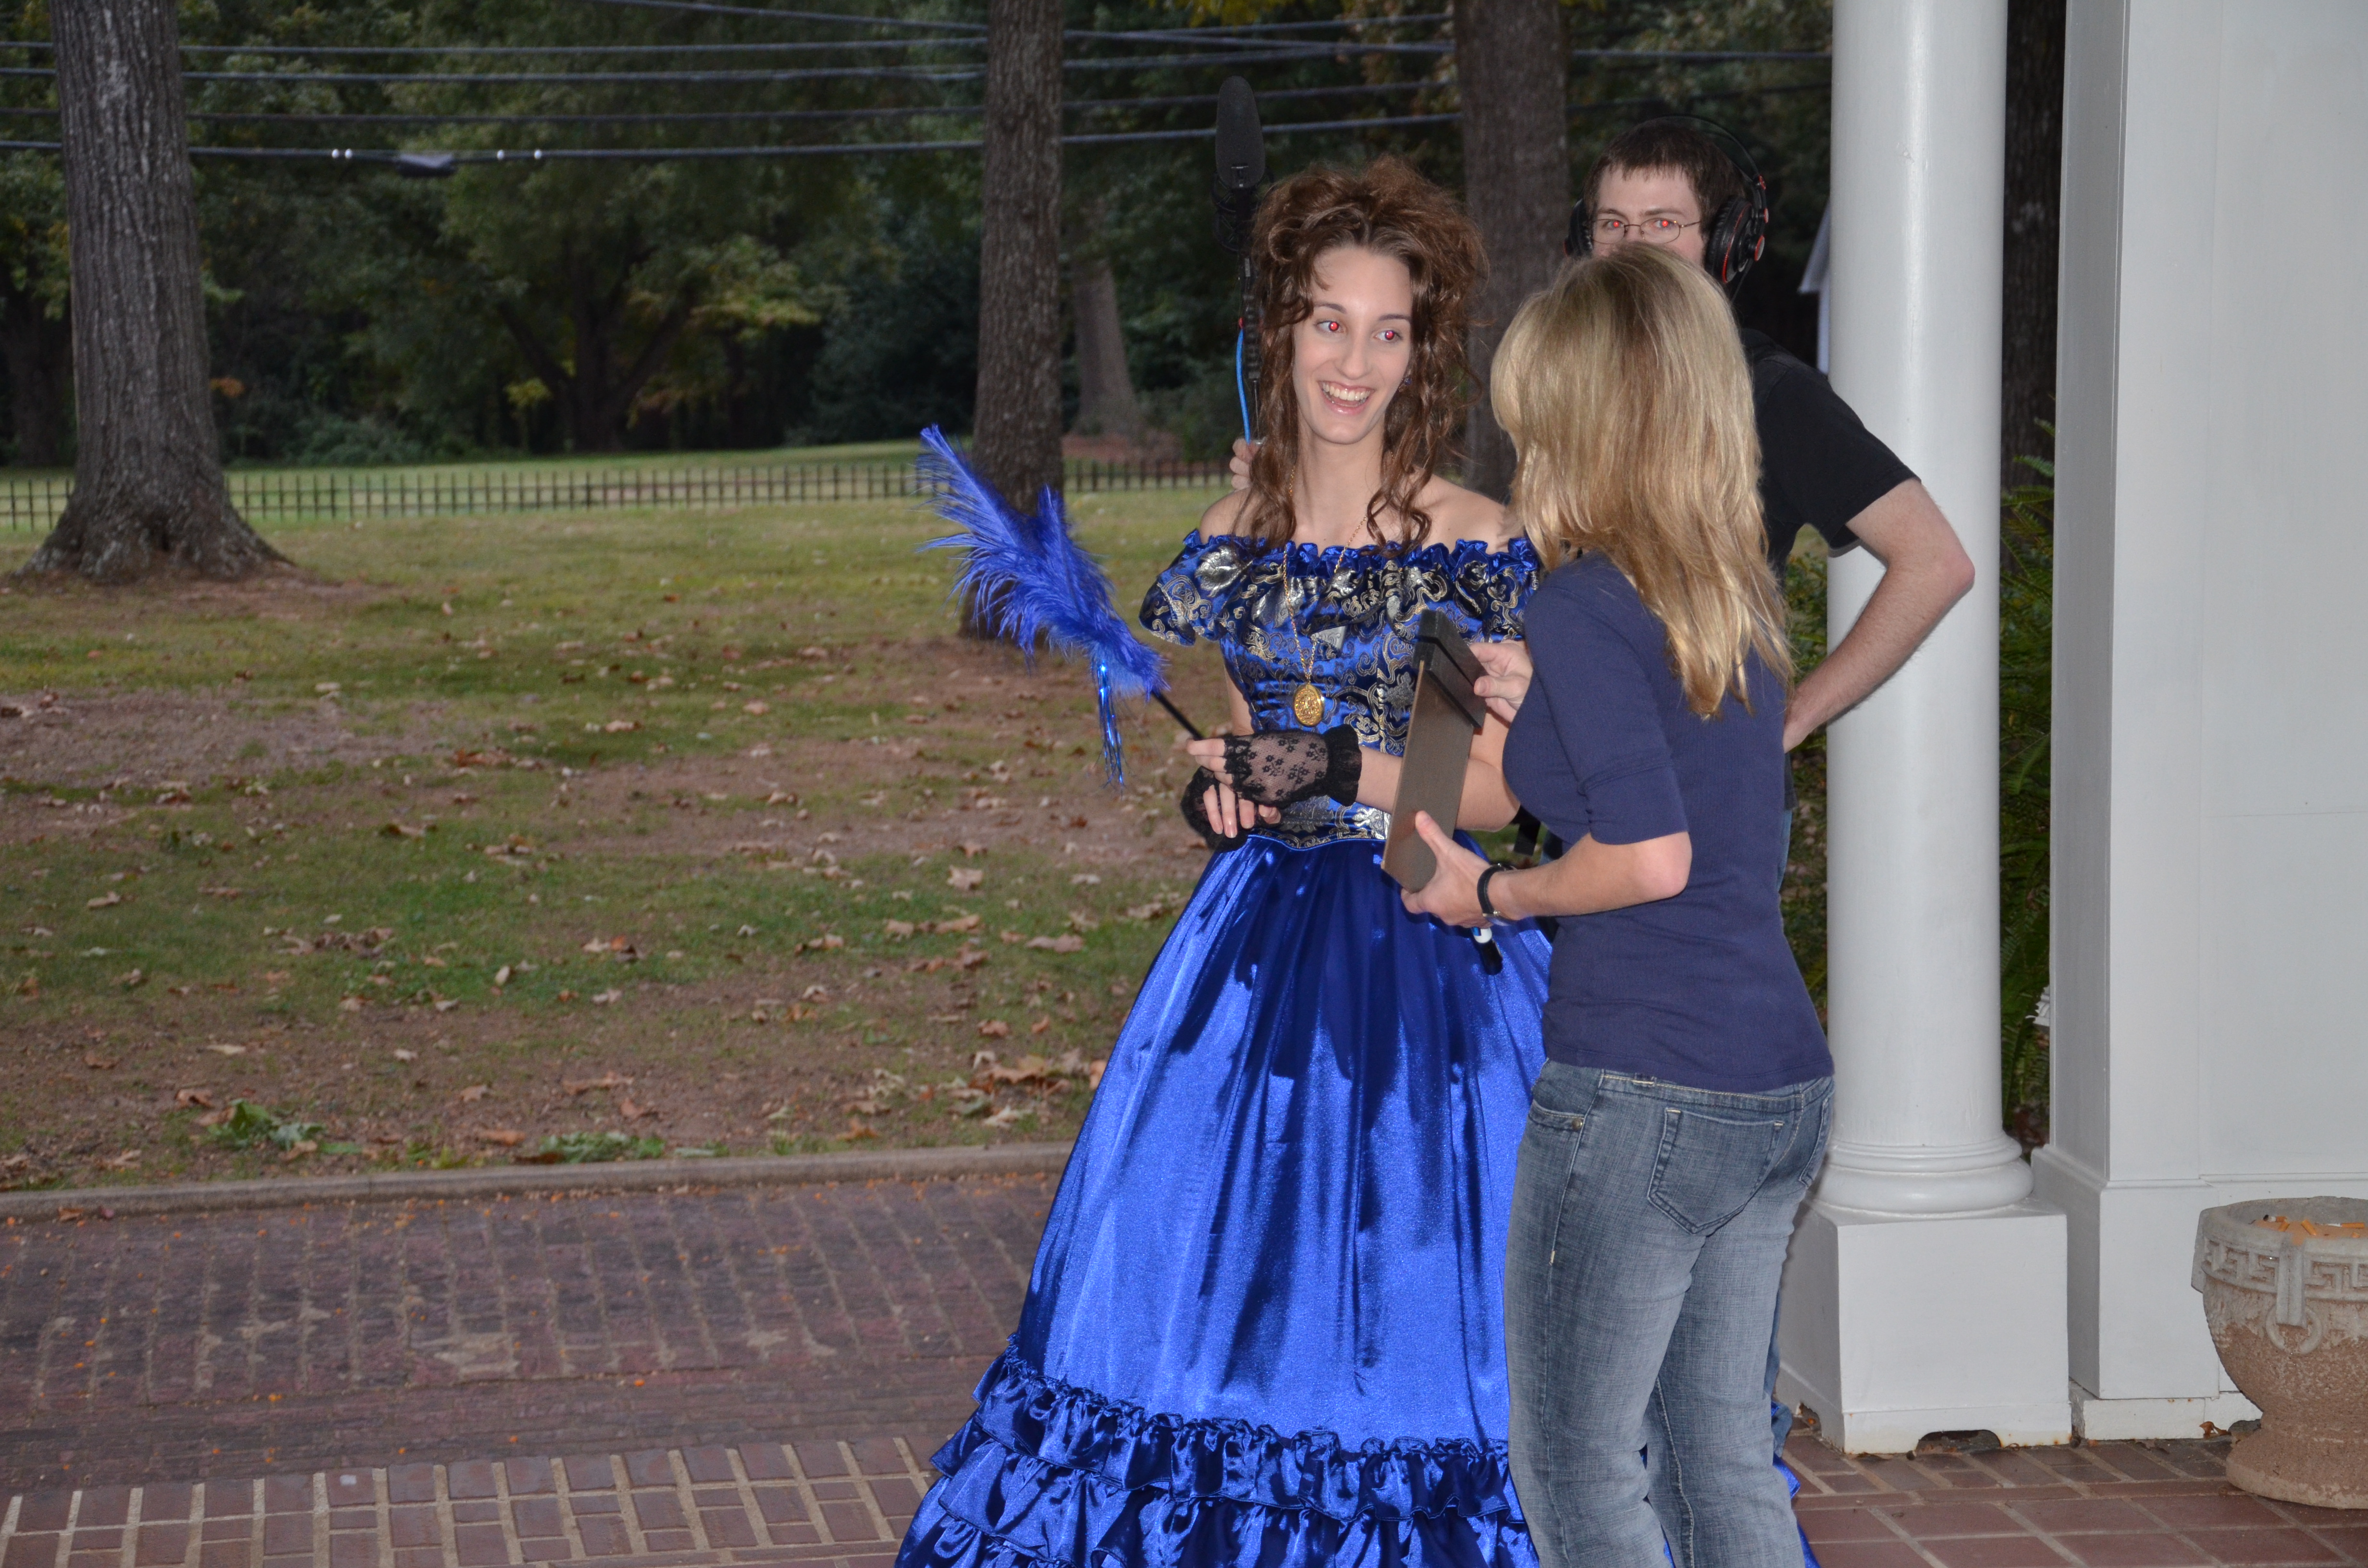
341,496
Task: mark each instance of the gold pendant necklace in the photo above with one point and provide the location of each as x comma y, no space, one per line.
1306,702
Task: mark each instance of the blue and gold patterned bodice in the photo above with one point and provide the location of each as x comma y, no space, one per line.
1341,619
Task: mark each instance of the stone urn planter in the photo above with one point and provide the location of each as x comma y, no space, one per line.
2285,1292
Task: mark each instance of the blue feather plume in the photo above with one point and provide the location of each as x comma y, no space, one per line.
1028,576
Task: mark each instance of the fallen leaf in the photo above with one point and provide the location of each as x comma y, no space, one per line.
856,1131
397,830
1040,1026
603,998
201,1098
105,901
350,1004
965,880
122,1162
897,930
298,1150
473,1093
972,851
1007,1116
815,993
221,892
954,927
632,1112
970,957
509,1138
98,1063
995,1029
402,1055
1057,944
227,1049
609,1080
619,726
759,709
501,975
445,1006
132,980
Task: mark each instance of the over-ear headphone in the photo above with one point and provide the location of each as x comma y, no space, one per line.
1737,233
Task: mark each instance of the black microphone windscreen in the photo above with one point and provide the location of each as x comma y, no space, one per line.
1241,147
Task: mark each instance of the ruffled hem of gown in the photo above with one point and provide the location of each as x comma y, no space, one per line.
1046,1472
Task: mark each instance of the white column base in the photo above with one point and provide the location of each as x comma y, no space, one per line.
2119,1420
1893,1328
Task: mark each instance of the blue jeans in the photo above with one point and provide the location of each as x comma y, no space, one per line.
1649,1227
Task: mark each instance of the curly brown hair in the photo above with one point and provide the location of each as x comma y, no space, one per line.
1388,208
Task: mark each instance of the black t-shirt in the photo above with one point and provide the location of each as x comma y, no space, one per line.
1818,466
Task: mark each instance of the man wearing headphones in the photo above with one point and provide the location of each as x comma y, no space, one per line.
1666,183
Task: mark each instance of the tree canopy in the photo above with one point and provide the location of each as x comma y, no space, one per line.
359,315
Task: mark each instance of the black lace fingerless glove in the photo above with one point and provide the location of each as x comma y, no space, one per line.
1282,767
1195,806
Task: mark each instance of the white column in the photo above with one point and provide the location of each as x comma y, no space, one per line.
2211,804
1924,1293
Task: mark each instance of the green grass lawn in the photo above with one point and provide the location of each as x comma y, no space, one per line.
767,456
588,835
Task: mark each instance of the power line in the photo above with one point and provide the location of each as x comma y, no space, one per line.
438,161
716,11
706,7
761,46
911,111
711,78
914,72
442,162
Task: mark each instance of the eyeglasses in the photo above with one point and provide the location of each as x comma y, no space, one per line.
1659,231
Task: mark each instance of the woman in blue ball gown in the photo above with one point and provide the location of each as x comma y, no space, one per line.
1265,1326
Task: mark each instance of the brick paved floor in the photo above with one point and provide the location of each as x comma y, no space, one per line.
846,1504
2110,1506
741,1376
236,1346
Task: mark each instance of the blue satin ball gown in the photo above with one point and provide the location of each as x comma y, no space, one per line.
1265,1325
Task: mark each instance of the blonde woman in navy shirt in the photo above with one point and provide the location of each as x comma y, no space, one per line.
1684,1106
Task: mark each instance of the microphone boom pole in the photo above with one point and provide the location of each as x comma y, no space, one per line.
1241,169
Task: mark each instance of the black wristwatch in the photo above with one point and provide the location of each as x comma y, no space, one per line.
1488,910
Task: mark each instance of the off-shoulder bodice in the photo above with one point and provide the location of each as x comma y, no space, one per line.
1340,619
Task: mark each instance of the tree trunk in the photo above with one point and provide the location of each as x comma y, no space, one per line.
2034,167
1016,432
148,483
1512,76
1106,402
594,397
36,350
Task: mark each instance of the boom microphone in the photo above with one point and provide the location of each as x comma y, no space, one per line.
1241,169
1241,162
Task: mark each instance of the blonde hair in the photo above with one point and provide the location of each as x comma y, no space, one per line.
1623,387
